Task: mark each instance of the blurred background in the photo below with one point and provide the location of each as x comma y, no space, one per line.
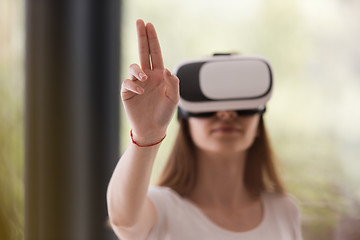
313,116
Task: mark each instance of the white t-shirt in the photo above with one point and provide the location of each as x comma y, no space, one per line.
180,219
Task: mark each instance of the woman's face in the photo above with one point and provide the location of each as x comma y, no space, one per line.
225,132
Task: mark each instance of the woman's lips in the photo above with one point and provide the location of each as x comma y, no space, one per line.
226,129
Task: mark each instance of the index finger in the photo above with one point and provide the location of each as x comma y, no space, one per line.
154,47
143,43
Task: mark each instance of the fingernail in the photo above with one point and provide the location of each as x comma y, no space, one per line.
142,76
168,72
139,90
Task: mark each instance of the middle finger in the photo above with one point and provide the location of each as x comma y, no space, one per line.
144,52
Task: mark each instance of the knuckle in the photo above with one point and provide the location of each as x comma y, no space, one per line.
125,83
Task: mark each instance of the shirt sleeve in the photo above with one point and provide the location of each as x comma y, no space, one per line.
158,196
294,216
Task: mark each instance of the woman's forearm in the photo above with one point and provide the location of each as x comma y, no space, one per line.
129,184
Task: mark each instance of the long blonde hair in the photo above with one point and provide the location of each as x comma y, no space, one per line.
180,171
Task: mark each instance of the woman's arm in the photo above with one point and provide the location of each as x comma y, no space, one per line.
132,215
150,98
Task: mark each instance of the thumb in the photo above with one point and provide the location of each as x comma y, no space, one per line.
172,90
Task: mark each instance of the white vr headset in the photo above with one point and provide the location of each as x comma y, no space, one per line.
224,82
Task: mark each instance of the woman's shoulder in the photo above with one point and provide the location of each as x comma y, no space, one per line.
169,205
163,191
164,196
282,203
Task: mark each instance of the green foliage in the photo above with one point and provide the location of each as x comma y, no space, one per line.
11,121
11,161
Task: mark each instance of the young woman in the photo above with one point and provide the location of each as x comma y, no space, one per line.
220,181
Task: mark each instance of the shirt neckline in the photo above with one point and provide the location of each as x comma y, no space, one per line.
220,229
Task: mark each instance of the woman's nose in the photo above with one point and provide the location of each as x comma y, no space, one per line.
226,114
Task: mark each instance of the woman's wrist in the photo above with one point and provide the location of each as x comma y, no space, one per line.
148,141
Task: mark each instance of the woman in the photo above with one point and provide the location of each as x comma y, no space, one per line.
220,181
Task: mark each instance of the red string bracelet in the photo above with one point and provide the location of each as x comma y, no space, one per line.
133,141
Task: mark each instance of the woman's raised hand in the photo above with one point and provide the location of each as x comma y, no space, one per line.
151,94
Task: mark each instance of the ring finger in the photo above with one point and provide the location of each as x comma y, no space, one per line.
136,71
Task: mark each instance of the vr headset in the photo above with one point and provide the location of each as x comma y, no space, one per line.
224,82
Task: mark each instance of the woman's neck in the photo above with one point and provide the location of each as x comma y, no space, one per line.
220,180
